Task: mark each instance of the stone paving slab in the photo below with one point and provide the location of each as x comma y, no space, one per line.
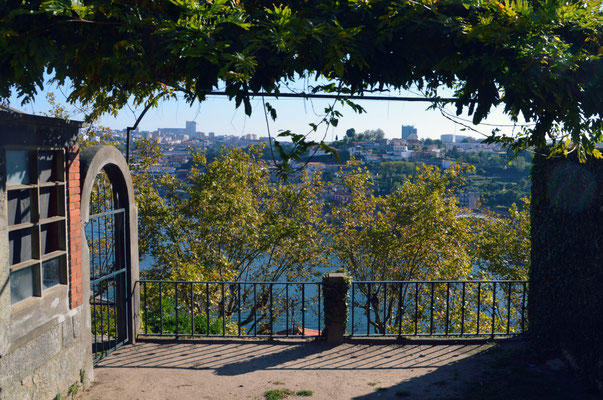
245,369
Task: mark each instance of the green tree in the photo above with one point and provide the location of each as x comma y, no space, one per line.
503,244
228,222
416,233
371,134
519,164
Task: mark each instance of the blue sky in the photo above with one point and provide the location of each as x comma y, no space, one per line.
219,115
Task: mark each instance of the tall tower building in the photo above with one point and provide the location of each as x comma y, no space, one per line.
408,130
191,128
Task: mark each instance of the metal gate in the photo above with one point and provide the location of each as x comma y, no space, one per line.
106,231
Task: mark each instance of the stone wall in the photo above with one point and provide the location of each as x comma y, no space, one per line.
48,361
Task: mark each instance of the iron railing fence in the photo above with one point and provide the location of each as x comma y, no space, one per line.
108,306
230,309
452,308
106,239
438,308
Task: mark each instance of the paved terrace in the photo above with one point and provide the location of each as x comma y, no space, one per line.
246,369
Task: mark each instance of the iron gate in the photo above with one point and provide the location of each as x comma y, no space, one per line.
106,237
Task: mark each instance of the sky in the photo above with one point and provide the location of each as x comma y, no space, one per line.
218,114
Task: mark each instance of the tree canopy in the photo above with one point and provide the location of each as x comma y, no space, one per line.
417,232
539,59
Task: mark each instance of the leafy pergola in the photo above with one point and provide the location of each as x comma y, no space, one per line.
541,59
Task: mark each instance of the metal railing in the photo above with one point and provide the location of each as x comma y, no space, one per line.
438,308
451,308
105,233
230,309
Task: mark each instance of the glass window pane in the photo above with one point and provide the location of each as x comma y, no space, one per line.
51,273
19,245
49,204
18,167
52,237
21,285
47,166
19,206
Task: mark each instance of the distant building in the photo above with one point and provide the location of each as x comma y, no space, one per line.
250,137
447,138
338,194
447,163
314,167
413,137
398,148
455,138
408,130
190,130
359,151
397,142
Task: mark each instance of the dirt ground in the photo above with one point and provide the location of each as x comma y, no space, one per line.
246,369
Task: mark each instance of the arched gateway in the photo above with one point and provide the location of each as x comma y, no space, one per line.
110,252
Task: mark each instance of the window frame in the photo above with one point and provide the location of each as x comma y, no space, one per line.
56,186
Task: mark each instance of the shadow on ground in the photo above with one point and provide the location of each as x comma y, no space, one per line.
237,357
501,372
358,369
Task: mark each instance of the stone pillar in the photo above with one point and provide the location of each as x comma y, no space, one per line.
566,293
335,288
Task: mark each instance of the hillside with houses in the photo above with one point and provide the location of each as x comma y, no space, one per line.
499,179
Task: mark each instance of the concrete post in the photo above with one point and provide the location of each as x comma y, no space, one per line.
335,292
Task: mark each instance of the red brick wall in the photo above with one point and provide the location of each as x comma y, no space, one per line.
74,227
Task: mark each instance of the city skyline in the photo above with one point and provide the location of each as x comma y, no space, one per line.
219,115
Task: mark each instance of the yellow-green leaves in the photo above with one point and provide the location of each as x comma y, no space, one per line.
414,233
502,248
229,221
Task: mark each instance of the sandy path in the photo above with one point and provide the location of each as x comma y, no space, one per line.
245,369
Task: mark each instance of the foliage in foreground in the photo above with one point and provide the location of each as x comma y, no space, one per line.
540,59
